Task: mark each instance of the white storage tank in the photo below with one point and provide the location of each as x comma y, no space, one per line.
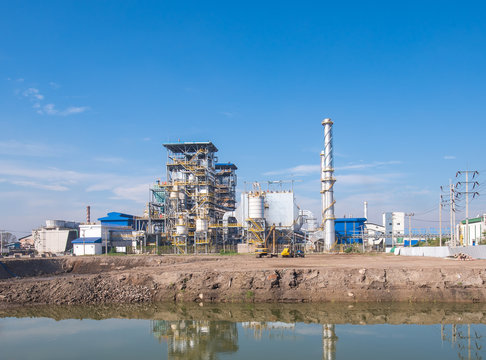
201,225
255,206
55,224
181,228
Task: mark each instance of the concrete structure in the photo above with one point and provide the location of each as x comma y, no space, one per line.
476,233
476,252
327,184
87,246
394,223
55,237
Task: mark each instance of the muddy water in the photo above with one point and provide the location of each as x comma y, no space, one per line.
245,331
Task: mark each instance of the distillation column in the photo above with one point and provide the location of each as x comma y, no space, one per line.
327,183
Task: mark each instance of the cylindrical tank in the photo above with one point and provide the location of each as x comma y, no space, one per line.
255,206
55,223
181,230
201,225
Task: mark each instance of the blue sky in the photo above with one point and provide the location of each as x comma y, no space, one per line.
89,90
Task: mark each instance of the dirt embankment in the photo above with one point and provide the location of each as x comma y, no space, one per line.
319,278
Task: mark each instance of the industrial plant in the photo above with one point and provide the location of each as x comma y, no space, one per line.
196,210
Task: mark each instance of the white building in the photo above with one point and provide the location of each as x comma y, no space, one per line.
55,237
375,233
107,233
477,227
394,223
280,209
87,246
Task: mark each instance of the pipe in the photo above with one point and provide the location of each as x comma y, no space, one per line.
88,214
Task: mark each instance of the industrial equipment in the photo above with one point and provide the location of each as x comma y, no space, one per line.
188,210
288,252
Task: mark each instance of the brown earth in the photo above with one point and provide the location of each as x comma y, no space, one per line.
241,278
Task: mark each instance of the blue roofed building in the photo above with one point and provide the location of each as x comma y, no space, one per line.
117,219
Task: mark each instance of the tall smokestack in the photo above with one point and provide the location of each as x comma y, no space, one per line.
327,183
88,214
366,210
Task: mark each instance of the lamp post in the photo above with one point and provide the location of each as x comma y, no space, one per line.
84,246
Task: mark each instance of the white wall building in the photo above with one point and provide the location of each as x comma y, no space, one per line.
280,210
55,237
477,227
394,223
87,246
375,232
107,233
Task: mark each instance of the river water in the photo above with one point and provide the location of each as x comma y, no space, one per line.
245,331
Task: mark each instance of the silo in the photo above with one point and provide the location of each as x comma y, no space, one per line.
255,206
181,228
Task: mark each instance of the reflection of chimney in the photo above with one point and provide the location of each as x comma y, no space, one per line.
329,340
366,210
88,214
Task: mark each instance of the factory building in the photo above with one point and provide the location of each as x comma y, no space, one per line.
394,223
476,233
55,237
87,246
349,230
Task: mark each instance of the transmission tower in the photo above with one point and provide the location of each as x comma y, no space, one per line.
467,193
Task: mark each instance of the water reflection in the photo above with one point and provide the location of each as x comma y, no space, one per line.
259,331
189,339
466,339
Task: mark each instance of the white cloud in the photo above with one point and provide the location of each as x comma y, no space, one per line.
36,185
362,179
33,94
50,109
74,110
368,165
123,187
296,170
302,170
449,157
13,147
137,193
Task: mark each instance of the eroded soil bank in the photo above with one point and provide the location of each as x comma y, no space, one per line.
205,279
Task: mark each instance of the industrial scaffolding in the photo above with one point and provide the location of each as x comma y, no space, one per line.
188,209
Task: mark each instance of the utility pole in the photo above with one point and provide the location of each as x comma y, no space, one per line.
440,220
474,193
410,228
